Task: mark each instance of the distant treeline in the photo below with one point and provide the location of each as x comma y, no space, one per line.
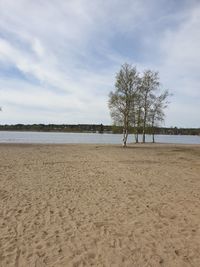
95,128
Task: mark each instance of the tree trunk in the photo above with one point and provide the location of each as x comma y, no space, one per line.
125,136
153,131
143,136
125,130
144,128
138,124
136,138
153,135
136,135
145,118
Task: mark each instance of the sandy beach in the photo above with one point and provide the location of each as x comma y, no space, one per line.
99,205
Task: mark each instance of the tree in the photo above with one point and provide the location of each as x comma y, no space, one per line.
136,113
136,103
149,85
121,101
156,114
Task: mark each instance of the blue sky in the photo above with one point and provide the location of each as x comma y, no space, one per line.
58,59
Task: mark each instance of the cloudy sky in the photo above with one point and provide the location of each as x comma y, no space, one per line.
58,59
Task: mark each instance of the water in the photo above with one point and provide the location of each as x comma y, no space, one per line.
87,138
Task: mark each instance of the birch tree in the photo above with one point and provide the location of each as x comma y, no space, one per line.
150,84
156,114
136,102
121,100
136,111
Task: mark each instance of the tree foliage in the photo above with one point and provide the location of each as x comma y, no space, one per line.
121,101
137,101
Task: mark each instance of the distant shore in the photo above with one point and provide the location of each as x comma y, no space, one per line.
100,205
96,128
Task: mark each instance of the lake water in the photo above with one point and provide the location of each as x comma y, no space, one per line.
87,138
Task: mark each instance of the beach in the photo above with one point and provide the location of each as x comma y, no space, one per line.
99,205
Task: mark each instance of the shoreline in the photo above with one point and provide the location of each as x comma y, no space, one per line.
129,145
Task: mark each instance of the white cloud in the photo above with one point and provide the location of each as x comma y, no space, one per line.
68,49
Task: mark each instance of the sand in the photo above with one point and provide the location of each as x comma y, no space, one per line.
98,205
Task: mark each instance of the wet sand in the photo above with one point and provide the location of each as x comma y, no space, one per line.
96,205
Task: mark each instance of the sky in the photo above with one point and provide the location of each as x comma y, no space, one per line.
58,59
